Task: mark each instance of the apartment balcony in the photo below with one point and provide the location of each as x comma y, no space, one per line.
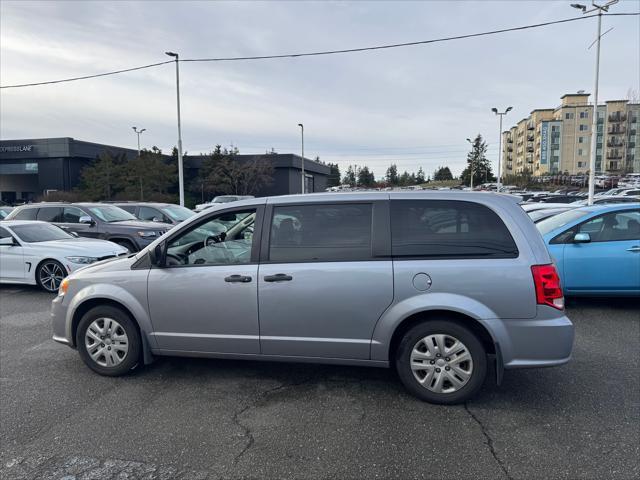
617,117
509,140
616,129
509,166
633,132
509,148
614,142
530,138
530,149
531,126
614,154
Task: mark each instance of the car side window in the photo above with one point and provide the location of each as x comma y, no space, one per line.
128,208
148,213
224,239
320,233
72,215
4,233
613,227
448,229
50,214
26,214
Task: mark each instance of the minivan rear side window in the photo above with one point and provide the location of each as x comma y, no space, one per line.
26,214
320,233
448,229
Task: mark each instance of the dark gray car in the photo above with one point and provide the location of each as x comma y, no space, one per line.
94,220
434,284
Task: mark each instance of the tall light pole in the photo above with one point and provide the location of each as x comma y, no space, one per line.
302,160
138,132
594,122
471,166
500,114
180,169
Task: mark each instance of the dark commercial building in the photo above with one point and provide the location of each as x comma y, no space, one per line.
32,167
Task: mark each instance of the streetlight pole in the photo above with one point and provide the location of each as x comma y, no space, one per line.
594,122
180,167
138,132
471,166
500,114
302,159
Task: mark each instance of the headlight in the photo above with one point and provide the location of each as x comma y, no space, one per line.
82,260
64,285
147,234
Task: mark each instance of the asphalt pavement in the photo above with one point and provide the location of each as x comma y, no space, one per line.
208,419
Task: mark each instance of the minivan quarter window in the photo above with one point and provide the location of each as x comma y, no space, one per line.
320,233
448,229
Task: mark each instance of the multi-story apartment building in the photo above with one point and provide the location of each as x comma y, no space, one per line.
557,140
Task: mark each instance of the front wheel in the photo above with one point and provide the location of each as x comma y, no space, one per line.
441,362
108,341
49,275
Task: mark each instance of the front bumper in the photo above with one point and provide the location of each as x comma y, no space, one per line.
533,343
58,315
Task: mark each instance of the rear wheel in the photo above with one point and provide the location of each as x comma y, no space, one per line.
441,362
49,275
108,341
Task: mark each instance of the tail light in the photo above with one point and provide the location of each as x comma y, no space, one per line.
548,288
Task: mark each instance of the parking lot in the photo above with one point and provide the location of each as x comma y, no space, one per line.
196,419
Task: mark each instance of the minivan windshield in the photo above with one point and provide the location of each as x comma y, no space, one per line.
560,220
110,213
40,232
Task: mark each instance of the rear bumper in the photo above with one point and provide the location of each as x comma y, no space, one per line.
533,343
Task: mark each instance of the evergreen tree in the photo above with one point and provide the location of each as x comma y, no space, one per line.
392,175
442,174
420,177
103,178
366,177
333,180
477,160
350,176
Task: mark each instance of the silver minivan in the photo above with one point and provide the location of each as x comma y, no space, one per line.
434,284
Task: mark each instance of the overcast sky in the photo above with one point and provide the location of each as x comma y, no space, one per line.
414,106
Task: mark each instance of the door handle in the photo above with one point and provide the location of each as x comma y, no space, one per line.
237,279
279,277
635,248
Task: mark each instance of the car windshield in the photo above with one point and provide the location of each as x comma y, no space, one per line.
224,199
109,213
40,232
560,220
178,213
4,212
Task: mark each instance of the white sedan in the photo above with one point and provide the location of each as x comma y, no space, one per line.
39,253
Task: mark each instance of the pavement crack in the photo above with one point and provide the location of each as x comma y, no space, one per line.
258,398
489,441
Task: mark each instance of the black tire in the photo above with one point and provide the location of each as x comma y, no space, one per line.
129,360
128,244
478,357
52,267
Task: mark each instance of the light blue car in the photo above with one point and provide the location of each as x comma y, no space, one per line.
596,249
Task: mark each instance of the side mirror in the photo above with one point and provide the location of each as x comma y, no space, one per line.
156,255
86,219
582,238
7,242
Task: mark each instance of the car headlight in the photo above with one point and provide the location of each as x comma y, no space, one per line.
82,260
148,234
64,286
